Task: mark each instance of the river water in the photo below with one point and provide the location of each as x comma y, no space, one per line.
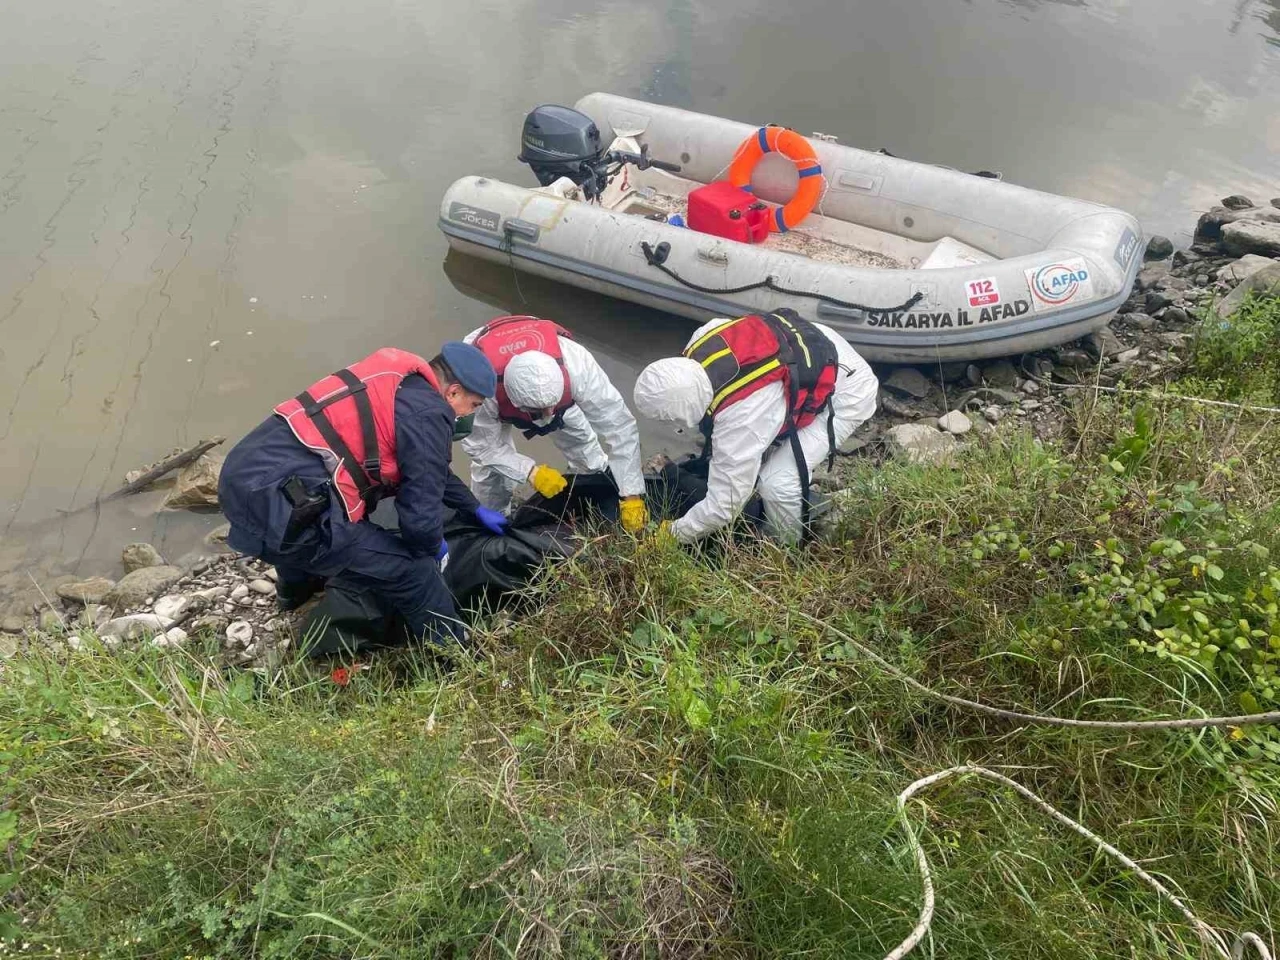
206,204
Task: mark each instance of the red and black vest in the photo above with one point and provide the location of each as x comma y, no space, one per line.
508,337
349,418
744,355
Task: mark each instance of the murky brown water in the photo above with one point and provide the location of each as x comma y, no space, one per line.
205,205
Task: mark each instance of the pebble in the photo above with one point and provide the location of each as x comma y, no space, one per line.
1030,387
1128,355
212,593
133,626
271,575
136,556
992,414
176,636
13,625
172,606
1031,405
264,587
239,633
240,592
50,622
228,608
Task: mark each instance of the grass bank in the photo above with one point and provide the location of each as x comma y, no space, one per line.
658,756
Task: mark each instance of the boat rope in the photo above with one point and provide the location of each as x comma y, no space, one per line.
1207,934
1184,723
1156,395
656,257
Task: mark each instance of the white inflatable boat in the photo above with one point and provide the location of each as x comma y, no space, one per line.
913,263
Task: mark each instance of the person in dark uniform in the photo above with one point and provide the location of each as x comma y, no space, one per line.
300,487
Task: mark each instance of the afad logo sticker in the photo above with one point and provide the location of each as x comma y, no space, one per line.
1060,283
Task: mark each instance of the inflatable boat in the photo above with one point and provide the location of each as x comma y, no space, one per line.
706,217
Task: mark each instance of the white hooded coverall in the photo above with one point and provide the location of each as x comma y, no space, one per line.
743,433
598,414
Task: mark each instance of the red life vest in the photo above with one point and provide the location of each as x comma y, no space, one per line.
744,355
349,418
508,337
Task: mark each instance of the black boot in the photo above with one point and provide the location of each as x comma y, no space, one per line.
291,594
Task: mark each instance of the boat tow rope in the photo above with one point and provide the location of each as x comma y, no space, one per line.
1242,943
1183,723
657,257
1207,934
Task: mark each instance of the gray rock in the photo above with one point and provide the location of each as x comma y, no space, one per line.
95,614
133,588
992,414
955,423
1183,257
920,443
1265,282
1139,321
264,587
239,633
1174,315
1158,248
176,636
51,622
1247,236
908,382
1203,279
1002,374
1151,276
8,646
973,374
952,372
211,593
217,537
13,624
1074,358
240,592
1275,201
271,574
1237,202
1104,343
137,556
86,591
1029,405
1244,268
1030,387
1128,356
1156,301
1212,223
852,446
134,627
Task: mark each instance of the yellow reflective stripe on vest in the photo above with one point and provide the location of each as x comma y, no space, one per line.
741,382
688,351
716,356
808,360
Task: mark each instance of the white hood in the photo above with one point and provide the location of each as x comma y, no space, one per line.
674,388
533,381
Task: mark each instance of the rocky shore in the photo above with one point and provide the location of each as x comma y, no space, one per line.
926,414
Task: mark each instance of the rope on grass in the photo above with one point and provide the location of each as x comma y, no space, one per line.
1186,723
1207,934
1156,395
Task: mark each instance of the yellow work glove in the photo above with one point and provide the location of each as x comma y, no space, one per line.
633,513
548,481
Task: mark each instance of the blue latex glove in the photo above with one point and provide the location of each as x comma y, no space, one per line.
442,555
492,520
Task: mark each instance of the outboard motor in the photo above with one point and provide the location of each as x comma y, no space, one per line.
561,142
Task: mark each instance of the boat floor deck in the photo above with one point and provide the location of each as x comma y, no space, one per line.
802,241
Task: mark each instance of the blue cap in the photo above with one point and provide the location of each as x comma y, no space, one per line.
471,367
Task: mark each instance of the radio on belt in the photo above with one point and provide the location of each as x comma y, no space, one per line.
724,210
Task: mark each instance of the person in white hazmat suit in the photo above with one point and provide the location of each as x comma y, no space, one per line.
550,385
747,384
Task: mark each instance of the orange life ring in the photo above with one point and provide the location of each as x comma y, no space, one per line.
799,151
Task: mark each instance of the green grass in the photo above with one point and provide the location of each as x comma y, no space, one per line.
650,760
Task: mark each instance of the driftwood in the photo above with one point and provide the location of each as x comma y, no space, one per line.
166,465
